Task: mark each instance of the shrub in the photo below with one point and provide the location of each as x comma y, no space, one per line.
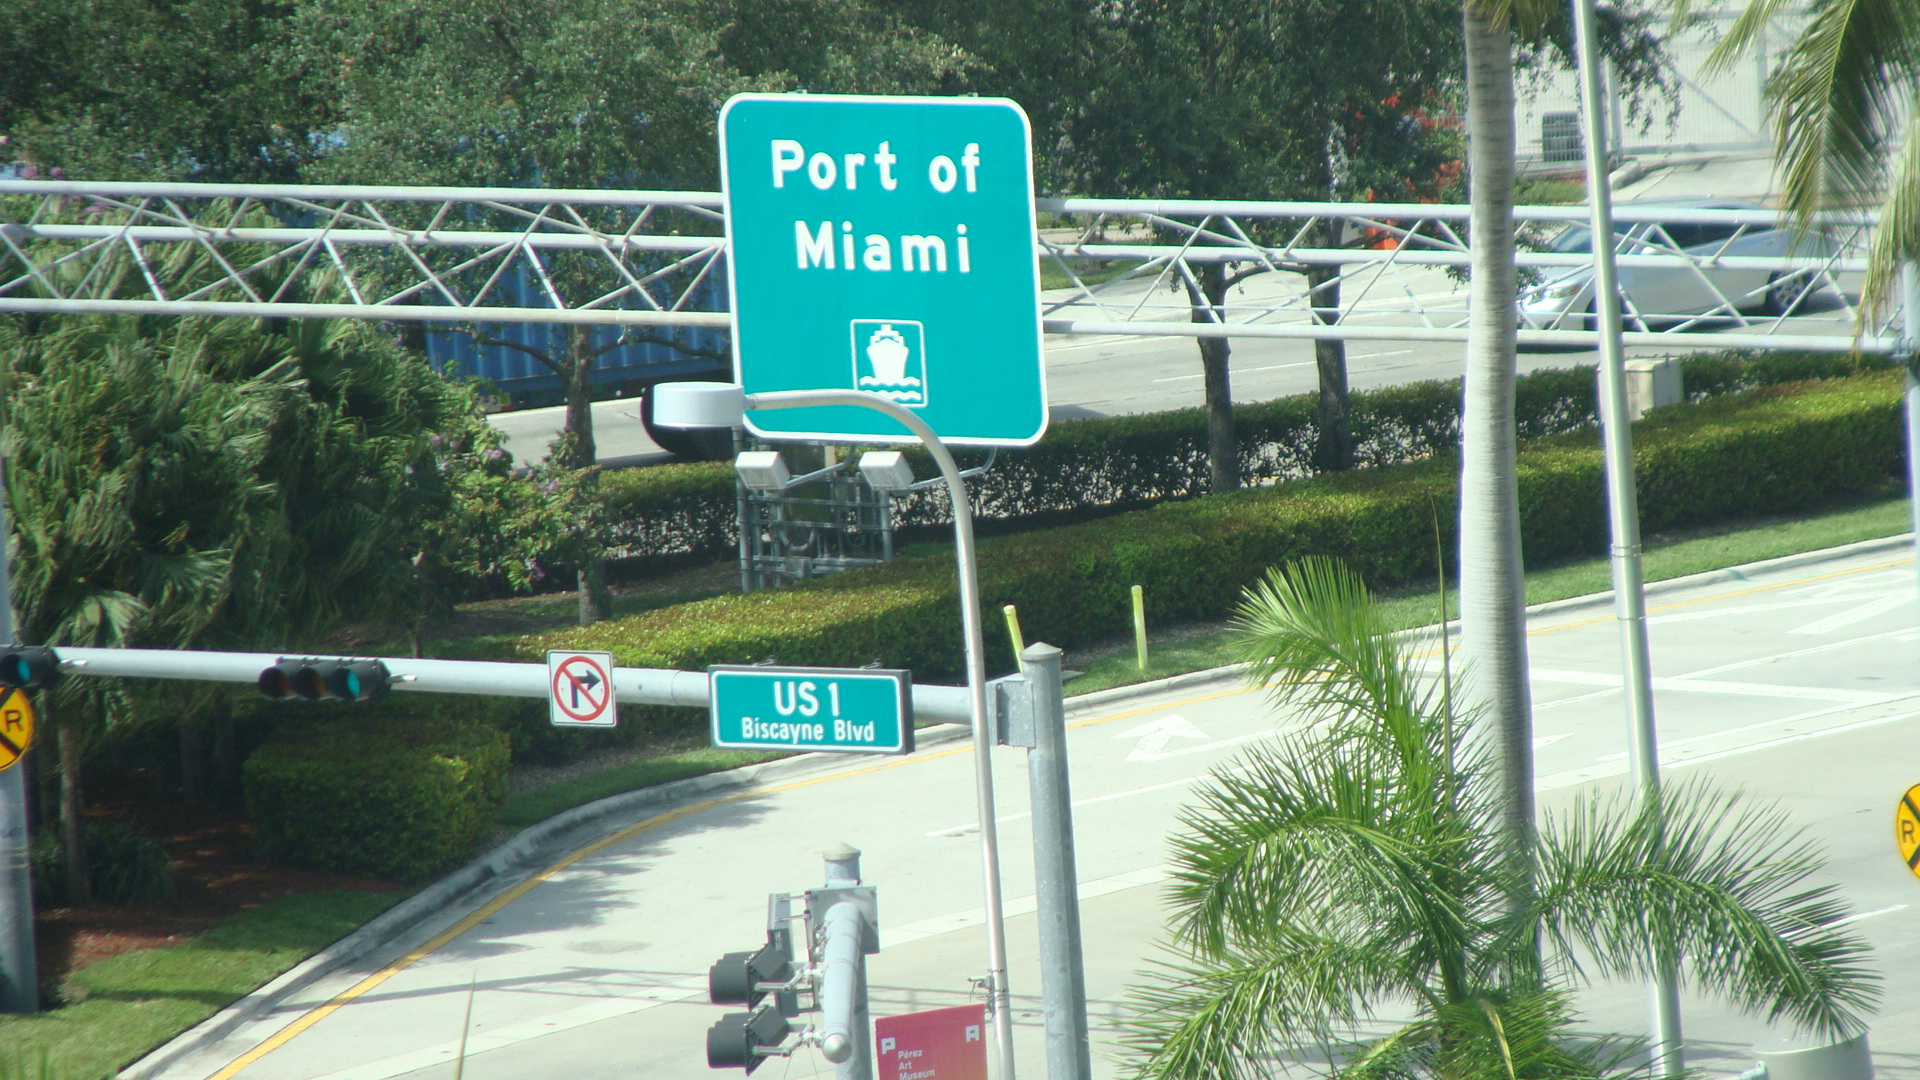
1124,462
396,796
1769,451
122,866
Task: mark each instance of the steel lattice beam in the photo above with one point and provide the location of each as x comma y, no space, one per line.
655,258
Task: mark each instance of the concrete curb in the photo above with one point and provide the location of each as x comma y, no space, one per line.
529,848
534,844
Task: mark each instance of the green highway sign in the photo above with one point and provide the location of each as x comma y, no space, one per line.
885,244
853,710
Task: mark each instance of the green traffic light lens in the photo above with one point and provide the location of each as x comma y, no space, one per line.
350,680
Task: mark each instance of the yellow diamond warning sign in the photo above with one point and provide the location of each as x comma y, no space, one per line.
16,726
1906,828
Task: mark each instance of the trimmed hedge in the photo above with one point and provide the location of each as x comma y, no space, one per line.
389,794
1767,451
1133,461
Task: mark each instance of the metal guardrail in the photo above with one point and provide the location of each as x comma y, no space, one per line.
646,258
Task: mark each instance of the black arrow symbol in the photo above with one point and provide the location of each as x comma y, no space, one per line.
586,681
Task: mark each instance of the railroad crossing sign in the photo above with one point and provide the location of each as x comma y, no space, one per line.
580,689
16,726
885,244
1906,828
852,710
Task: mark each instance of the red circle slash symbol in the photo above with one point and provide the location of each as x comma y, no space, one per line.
581,689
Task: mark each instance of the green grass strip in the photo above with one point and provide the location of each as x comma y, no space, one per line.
138,1001
532,807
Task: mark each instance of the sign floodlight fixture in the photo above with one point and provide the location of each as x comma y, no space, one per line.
29,667
886,470
762,470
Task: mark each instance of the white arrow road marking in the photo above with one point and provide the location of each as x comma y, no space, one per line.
1154,735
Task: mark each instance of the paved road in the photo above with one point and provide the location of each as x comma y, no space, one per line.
1796,683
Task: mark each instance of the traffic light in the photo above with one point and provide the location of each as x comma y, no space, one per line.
316,679
738,976
29,667
745,1039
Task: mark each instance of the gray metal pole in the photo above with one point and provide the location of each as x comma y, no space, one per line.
1910,332
997,991
1623,508
1063,978
19,967
846,1035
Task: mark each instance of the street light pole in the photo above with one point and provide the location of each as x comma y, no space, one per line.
720,404
1623,508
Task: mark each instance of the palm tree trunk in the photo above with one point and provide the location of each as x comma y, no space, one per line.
1333,442
1492,585
73,823
1223,448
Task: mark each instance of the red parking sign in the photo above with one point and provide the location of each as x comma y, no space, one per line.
940,1044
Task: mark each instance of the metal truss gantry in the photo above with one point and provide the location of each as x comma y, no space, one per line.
654,258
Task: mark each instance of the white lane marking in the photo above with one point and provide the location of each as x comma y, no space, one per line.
974,826
1024,905
1866,915
1714,686
1542,741
639,999
1748,729
1154,735
1371,355
1859,614
1618,766
1241,371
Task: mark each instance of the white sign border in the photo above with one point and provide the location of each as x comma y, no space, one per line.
901,677
560,717
1033,229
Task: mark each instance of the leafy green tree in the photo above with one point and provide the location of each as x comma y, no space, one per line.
155,89
1228,99
131,479
1359,860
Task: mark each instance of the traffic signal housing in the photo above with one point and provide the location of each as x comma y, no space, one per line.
743,1040
737,977
319,679
29,667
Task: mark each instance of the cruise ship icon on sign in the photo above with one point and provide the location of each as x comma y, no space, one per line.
889,359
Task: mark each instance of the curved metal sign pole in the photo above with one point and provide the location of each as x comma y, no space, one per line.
976,679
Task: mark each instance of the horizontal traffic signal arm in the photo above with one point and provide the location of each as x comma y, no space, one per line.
636,686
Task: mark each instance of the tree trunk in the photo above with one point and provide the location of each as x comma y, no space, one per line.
193,753
596,602
1492,585
1223,449
73,822
579,367
226,757
1333,439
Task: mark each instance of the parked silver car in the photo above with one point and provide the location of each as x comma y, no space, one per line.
1668,294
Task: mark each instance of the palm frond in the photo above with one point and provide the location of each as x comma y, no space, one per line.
1723,883
1224,1018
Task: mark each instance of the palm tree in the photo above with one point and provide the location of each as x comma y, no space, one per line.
1360,861
1841,97
1493,602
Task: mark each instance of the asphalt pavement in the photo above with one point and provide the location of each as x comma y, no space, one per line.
1793,680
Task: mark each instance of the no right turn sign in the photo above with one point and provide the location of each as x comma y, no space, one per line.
580,689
